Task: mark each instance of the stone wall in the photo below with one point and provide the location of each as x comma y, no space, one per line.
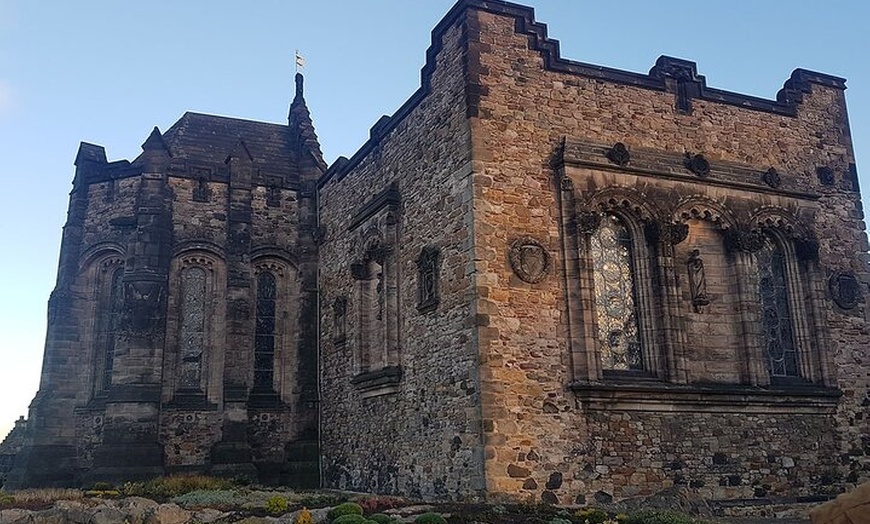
559,434
416,434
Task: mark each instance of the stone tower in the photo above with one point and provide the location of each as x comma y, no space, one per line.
180,331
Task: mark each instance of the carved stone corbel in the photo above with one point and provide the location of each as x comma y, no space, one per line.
745,240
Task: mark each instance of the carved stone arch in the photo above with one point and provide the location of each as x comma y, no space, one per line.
629,205
205,246
275,253
781,220
627,202
102,250
702,208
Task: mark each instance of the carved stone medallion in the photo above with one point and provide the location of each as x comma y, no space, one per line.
618,154
771,177
697,164
529,260
749,241
845,289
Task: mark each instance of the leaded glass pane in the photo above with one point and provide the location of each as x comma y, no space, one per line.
264,339
615,304
192,336
776,327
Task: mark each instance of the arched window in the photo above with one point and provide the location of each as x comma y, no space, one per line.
615,296
264,335
112,307
777,333
192,332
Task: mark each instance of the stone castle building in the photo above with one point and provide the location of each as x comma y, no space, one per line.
539,277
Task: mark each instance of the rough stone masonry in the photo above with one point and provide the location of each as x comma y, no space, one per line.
538,278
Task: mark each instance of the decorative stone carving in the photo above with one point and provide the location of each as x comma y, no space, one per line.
826,175
143,309
749,241
587,222
566,183
697,280
771,178
665,232
618,154
529,260
845,289
697,164
427,278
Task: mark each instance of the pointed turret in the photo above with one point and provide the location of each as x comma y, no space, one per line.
155,153
301,128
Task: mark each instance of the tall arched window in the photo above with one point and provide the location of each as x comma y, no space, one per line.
264,336
777,333
615,296
192,332
112,308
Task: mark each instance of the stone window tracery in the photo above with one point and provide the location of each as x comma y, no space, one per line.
615,296
777,331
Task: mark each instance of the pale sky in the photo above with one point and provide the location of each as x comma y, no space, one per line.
106,72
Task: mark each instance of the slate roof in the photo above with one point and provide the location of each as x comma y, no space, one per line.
208,139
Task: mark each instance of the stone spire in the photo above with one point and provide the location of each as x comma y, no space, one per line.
302,129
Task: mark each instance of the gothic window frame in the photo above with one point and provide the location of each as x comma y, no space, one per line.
616,267
177,394
776,303
110,303
284,350
585,344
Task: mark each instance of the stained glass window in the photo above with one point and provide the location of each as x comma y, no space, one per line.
615,300
192,336
777,334
264,335
112,312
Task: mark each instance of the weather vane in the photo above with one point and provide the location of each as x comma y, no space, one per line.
300,61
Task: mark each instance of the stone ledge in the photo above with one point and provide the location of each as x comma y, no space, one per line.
378,382
718,398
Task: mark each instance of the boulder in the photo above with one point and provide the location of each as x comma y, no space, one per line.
849,508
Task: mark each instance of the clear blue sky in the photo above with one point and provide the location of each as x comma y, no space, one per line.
107,71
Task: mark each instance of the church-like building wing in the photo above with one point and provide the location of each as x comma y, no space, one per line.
538,278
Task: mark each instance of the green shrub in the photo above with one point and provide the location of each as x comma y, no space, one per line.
348,508
380,518
592,516
430,518
164,488
102,486
559,520
277,505
349,518
6,500
658,517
